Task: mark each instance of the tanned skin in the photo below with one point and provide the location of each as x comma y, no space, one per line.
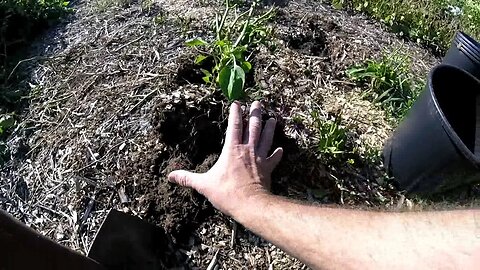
324,237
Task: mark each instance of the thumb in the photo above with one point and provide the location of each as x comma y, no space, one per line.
275,158
184,178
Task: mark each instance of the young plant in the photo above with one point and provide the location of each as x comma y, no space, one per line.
390,84
331,137
231,50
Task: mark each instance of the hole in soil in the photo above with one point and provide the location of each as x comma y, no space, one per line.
313,44
196,131
193,135
299,171
190,73
305,35
194,138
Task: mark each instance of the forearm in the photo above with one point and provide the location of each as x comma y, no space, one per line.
330,238
324,237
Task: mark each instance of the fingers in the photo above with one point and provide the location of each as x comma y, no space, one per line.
235,123
267,137
275,158
252,134
184,178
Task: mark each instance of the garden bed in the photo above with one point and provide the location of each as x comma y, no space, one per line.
115,107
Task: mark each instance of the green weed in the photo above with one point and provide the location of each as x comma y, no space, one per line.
371,155
430,22
390,84
470,19
32,10
230,51
331,136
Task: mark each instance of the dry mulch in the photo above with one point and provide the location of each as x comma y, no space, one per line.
114,108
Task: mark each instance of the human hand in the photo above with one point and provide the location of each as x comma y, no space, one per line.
243,170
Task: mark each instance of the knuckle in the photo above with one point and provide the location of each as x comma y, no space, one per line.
237,123
255,123
182,180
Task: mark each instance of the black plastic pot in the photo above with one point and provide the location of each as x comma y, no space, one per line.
433,149
464,54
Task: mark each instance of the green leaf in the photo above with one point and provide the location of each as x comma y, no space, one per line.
224,79
200,58
354,71
196,42
237,82
247,66
220,43
6,121
238,52
208,76
231,81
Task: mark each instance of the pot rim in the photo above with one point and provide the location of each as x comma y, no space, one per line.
443,119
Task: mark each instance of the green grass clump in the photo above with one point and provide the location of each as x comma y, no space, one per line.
230,51
330,137
389,83
430,22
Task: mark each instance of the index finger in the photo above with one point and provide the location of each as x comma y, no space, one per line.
235,125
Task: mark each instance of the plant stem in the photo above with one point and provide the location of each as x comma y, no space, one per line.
232,25
266,15
222,23
247,23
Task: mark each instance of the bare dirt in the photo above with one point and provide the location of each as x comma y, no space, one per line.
193,139
116,104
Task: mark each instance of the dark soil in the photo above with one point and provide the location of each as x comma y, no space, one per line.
193,139
310,42
305,35
189,72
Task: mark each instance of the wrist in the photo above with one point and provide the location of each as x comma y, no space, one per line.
251,207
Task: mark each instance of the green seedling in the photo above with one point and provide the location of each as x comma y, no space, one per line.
390,84
231,50
331,137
